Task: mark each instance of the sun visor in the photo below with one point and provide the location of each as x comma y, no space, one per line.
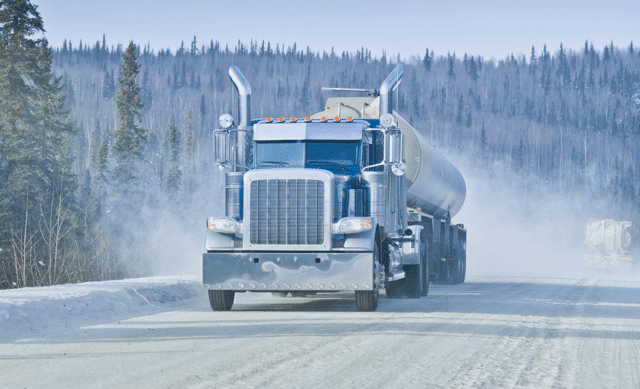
263,131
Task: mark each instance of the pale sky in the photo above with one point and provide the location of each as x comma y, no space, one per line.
493,29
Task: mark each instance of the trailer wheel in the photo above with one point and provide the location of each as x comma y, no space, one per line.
367,300
453,277
425,269
464,266
221,300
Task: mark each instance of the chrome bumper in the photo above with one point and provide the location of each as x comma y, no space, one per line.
286,271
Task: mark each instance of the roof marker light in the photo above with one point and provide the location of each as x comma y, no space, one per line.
280,119
323,119
336,119
307,119
269,119
349,119
293,119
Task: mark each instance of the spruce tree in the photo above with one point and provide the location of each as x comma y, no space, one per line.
174,175
127,187
130,137
37,199
427,61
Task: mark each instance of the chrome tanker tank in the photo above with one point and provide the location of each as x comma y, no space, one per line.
433,183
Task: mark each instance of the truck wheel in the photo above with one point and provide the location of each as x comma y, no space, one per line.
392,289
425,270
414,283
464,267
453,266
367,300
221,300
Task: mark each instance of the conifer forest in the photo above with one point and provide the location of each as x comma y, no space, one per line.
103,142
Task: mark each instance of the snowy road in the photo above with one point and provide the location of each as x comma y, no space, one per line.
489,332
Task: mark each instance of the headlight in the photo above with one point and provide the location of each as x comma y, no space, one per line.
351,225
224,225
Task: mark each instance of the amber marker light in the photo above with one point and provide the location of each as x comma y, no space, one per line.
293,119
307,119
349,119
323,119
280,119
336,119
269,119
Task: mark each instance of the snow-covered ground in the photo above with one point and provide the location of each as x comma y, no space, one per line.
494,332
34,311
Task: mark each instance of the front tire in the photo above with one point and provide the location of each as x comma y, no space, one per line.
221,300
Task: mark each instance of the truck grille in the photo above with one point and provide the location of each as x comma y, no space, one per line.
287,212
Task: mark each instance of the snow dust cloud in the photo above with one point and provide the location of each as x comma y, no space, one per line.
177,239
519,226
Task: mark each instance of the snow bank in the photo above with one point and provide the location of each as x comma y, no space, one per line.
30,311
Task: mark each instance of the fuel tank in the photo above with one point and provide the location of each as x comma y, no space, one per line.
432,182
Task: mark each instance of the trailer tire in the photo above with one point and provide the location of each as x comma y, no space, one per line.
221,300
455,275
425,270
464,266
367,300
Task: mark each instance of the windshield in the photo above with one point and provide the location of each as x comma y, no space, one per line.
336,156
279,153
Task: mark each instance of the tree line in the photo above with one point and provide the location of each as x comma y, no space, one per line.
99,143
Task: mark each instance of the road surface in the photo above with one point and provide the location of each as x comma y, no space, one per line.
493,332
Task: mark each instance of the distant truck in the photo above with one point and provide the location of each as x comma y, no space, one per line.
608,243
351,199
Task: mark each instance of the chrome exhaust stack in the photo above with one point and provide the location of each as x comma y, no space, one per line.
244,96
244,133
386,90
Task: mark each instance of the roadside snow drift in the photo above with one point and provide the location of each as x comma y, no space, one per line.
30,311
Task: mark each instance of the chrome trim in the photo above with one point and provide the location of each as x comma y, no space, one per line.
277,271
279,214
395,276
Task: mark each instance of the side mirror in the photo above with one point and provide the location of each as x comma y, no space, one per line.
220,147
396,153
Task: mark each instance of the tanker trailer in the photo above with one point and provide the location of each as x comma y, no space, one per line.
352,199
607,243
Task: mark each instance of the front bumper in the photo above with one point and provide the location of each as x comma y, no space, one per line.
286,271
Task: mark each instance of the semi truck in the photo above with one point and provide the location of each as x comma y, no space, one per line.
352,199
608,244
